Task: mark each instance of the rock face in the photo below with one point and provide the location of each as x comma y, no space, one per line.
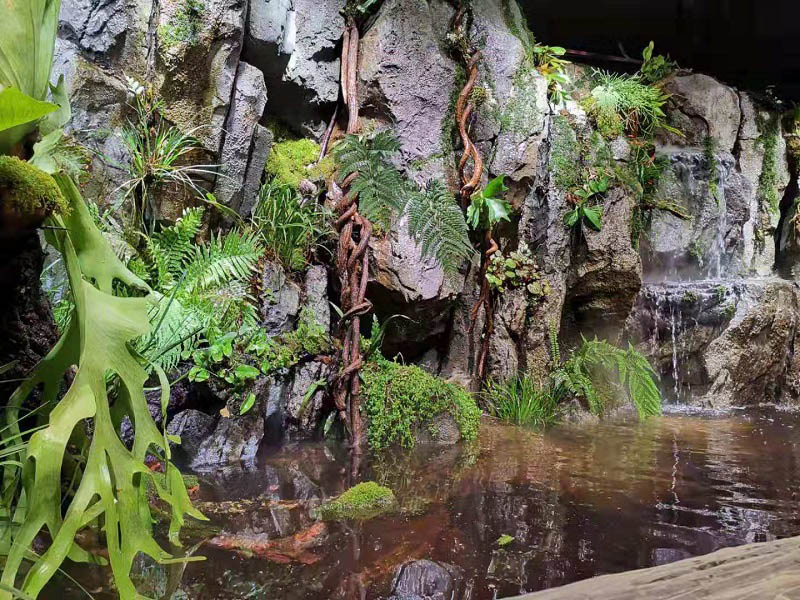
719,343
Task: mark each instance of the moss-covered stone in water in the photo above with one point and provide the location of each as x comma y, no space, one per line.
363,501
28,190
289,162
400,399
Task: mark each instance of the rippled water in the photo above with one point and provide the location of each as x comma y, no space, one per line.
578,501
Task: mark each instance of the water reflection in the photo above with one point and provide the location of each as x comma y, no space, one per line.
577,501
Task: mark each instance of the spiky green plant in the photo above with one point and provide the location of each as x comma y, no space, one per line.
160,154
522,400
381,189
625,99
436,222
289,228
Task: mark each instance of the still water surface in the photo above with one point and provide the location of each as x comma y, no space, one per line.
578,502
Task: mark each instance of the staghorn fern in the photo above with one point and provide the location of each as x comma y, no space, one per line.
436,222
379,185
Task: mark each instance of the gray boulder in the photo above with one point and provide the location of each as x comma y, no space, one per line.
280,300
232,440
193,427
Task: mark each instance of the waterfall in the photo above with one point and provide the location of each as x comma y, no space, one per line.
717,189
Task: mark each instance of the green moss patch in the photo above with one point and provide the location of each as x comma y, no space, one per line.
363,501
292,161
28,190
768,180
185,25
400,399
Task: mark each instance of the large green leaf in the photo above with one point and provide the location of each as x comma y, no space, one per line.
17,108
28,31
113,487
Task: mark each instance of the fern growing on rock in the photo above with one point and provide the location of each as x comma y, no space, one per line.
381,188
597,369
436,222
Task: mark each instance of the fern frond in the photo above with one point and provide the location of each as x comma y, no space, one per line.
436,222
223,260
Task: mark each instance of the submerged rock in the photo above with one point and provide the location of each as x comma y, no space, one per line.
426,580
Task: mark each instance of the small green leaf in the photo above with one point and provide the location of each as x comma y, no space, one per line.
571,217
246,372
499,210
248,403
594,218
495,187
504,540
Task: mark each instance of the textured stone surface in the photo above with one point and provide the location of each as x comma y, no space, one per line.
426,580
316,295
262,144
700,107
767,571
280,300
247,108
733,342
404,50
295,45
193,427
232,440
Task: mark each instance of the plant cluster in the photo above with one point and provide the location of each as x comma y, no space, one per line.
238,358
656,67
587,202
160,156
292,161
550,64
487,207
184,26
768,179
622,103
400,399
434,219
290,227
516,270
599,373
522,401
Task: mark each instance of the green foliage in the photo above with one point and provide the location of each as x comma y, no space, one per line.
655,67
110,481
436,222
522,401
27,40
400,399
504,540
517,269
202,289
625,103
380,187
565,155
587,206
363,501
17,108
160,155
185,26
291,161
598,371
550,64
768,180
487,207
28,190
238,358
290,229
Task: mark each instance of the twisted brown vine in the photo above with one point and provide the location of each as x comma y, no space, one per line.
465,106
352,259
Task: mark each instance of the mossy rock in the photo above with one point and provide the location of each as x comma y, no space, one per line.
27,190
404,403
361,502
292,161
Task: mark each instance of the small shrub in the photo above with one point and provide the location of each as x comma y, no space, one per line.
655,67
401,398
522,401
